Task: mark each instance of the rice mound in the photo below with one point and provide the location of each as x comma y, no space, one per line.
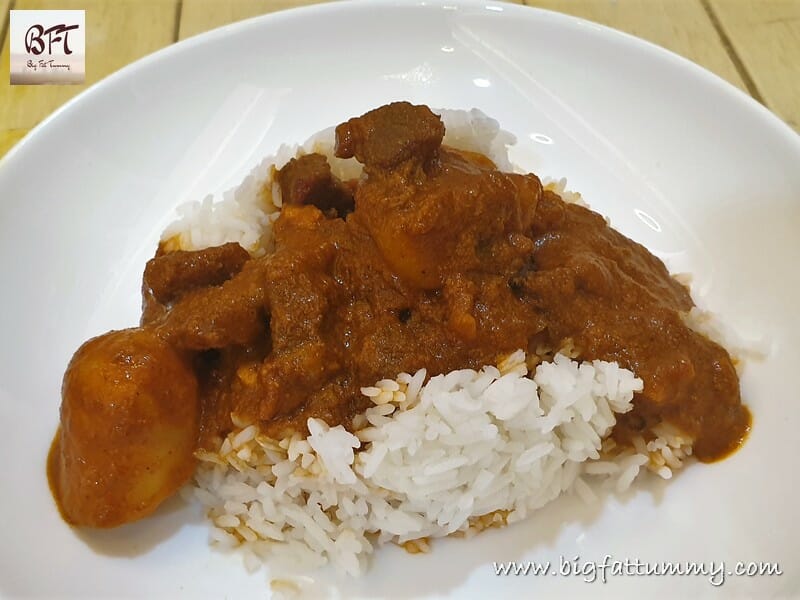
431,459
449,455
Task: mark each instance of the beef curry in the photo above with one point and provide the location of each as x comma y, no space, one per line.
433,258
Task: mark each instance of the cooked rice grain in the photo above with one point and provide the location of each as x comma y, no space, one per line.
442,458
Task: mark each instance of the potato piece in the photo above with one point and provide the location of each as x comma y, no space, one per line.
129,425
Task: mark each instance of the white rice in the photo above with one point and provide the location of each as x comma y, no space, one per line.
435,458
448,456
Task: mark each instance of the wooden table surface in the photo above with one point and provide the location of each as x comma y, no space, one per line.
754,44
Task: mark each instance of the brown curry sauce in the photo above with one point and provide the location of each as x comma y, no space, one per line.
434,259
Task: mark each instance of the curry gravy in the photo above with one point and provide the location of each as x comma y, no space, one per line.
443,262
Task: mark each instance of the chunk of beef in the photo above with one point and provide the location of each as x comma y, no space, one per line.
391,135
231,314
169,276
308,180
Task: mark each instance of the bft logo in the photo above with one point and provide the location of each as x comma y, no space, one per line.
37,34
47,46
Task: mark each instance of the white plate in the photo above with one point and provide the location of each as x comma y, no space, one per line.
678,159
